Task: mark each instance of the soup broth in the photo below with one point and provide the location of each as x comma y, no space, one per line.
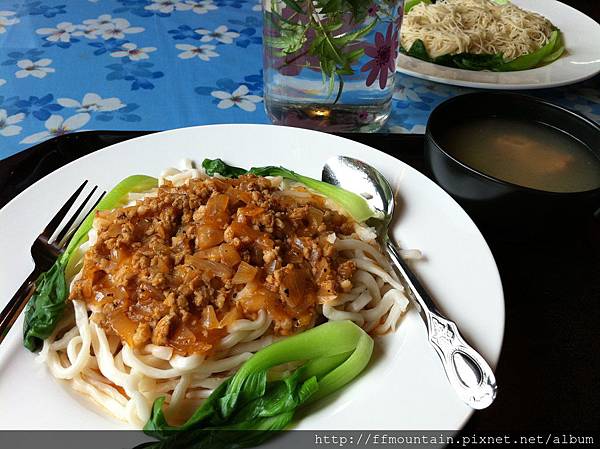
529,154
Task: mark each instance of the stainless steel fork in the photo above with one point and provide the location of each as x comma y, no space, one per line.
44,252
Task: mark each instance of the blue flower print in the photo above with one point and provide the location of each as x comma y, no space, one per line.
231,3
40,108
9,104
250,22
248,33
110,46
37,8
139,73
247,37
136,7
255,82
184,32
124,114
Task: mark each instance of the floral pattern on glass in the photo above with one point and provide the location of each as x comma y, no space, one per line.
383,53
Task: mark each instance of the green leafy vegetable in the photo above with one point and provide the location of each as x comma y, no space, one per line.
334,354
351,202
469,61
46,306
533,59
553,49
557,51
212,166
410,4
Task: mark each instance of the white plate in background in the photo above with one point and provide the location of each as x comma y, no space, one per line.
580,61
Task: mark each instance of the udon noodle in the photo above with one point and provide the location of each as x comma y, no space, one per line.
124,380
450,27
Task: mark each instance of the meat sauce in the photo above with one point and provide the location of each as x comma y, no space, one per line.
177,269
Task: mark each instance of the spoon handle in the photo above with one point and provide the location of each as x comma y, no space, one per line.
467,371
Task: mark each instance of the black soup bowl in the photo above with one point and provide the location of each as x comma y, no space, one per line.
499,202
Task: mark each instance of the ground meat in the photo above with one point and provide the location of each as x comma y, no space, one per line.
160,334
167,270
142,334
346,270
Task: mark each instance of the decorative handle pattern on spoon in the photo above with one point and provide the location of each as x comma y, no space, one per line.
467,371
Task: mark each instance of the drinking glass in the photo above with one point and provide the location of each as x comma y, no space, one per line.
330,64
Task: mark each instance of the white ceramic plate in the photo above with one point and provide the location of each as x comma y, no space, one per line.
580,62
405,388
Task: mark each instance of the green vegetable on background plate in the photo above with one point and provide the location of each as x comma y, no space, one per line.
349,201
46,306
470,61
333,354
410,4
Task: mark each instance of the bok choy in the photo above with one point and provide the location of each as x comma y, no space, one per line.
553,49
333,354
46,306
349,201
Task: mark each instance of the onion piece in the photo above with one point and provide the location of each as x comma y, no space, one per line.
244,274
208,236
210,267
229,255
123,325
251,210
230,317
209,318
216,210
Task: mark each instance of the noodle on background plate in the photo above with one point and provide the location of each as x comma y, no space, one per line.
125,378
451,27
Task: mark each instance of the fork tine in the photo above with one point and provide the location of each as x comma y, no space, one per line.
65,239
49,230
74,217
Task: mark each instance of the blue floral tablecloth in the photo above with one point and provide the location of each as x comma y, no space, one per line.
77,65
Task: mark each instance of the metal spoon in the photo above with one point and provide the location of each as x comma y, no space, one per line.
467,371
